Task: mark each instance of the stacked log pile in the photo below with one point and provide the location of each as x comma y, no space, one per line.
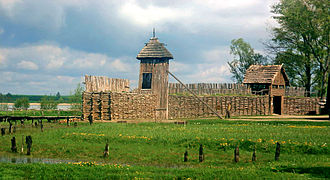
117,106
300,106
188,106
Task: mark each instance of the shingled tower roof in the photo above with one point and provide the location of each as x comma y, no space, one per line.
154,50
264,74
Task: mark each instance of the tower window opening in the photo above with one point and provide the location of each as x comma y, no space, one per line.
146,81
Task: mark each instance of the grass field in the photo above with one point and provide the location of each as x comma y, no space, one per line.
155,150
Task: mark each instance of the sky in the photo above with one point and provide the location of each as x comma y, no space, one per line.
47,46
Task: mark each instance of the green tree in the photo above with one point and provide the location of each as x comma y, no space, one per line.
76,98
303,35
48,103
22,103
58,95
244,57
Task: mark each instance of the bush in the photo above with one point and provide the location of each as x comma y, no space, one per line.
76,98
22,103
4,107
48,103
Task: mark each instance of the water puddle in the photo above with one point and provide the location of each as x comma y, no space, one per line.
19,160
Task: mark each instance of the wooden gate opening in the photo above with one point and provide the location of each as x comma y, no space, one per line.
277,104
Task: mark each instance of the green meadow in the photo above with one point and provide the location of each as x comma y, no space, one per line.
155,150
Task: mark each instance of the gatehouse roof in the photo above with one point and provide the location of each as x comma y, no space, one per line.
264,74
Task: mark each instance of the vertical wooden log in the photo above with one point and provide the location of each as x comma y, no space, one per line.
3,131
35,124
201,153
236,154
278,151
28,141
13,145
90,119
22,146
185,156
254,157
10,126
22,122
42,127
106,150
67,121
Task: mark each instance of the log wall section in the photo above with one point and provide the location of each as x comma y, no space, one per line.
301,105
120,106
117,106
210,88
189,107
105,84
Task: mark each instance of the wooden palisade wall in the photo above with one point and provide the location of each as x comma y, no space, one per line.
105,84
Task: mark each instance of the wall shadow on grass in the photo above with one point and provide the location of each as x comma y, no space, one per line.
319,172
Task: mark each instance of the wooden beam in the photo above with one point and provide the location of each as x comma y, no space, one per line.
195,95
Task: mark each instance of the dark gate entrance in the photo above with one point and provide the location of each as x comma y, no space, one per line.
277,104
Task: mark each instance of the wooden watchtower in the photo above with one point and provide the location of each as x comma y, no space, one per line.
154,65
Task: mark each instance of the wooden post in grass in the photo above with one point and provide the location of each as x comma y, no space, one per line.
67,121
10,126
106,150
185,156
278,151
201,153
254,157
36,124
13,145
28,141
22,146
90,119
42,127
236,154
22,122
3,131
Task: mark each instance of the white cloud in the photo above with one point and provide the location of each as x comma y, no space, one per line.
218,5
2,61
28,65
150,14
217,54
1,30
179,67
67,79
58,68
210,73
55,63
118,65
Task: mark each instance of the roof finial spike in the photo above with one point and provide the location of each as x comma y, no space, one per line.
153,32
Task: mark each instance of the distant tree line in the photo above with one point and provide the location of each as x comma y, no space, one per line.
47,102
11,98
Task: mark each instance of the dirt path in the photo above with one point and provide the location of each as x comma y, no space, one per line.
312,118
